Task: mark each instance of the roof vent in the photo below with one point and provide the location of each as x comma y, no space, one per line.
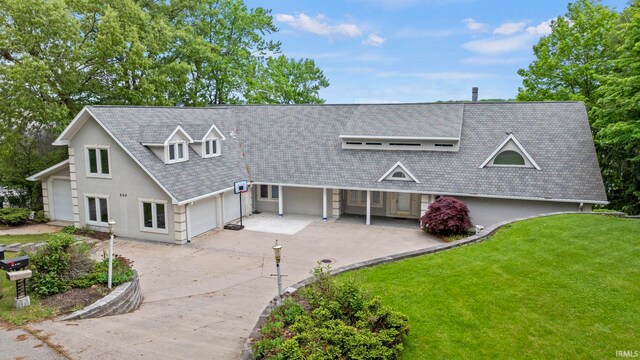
474,94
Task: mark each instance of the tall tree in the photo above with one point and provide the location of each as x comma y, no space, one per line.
569,60
281,80
617,115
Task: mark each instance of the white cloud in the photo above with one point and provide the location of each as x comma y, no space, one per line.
317,25
498,46
475,26
423,33
510,28
544,28
493,60
373,40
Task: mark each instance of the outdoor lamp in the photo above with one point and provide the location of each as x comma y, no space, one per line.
112,225
277,250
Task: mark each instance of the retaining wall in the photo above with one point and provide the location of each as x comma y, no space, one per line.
123,299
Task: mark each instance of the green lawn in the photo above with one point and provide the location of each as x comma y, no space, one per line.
19,317
555,287
23,239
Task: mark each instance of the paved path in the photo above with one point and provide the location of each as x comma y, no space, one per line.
201,300
19,344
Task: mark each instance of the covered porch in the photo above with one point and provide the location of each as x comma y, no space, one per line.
327,203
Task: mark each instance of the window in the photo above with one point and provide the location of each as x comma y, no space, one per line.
269,192
97,210
177,152
98,162
404,144
211,148
354,143
153,215
444,145
359,198
509,157
399,175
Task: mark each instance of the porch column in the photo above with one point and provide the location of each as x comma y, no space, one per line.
280,202
368,222
324,204
220,211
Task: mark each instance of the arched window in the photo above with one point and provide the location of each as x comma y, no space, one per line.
399,175
509,157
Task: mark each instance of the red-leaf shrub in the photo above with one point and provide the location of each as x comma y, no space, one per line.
446,216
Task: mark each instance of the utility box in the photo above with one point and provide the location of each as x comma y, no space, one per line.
13,264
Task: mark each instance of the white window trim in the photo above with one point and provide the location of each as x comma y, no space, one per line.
352,202
176,160
86,210
523,152
154,229
204,148
269,192
393,169
99,174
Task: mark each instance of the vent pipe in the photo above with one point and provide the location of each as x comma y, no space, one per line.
474,94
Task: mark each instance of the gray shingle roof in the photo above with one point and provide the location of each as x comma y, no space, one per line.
300,144
412,120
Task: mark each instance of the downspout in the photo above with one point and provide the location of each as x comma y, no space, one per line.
580,207
186,221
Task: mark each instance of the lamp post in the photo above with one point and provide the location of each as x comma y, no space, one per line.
112,225
277,252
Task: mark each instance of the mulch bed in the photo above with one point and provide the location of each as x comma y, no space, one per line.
76,299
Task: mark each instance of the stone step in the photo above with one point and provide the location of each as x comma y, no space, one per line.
13,247
27,246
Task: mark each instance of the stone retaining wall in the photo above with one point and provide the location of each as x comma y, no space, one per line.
247,353
123,299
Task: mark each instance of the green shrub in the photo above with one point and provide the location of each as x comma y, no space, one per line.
343,323
14,216
69,229
40,217
49,263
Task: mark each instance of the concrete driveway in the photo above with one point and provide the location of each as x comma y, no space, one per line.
202,300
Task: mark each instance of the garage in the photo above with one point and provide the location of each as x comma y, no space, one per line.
62,206
231,206
202,216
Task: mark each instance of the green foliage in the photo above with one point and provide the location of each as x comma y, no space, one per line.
40,217
14,216
569,60
49,263
57,56
617,115
69,229
342,323
59,266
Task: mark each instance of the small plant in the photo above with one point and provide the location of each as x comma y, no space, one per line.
85,230
40,217
447,216
14,216
69,229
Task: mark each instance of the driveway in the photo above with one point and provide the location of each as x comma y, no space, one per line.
201,300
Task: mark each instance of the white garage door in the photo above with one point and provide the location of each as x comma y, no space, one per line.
232,206
202,216
62,207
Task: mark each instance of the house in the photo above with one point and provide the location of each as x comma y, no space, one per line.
167,173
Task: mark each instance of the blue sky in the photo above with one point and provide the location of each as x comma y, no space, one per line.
381,51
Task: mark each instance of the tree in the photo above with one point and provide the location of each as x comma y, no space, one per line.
617,115
281,80
569,60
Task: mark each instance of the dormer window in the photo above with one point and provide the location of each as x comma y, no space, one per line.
398,172
399,175
509,157
211,148
177,152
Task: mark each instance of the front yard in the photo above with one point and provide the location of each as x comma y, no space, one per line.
555,287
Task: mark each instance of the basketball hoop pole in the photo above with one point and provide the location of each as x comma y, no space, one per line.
240,197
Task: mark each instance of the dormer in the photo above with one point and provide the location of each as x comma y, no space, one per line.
403,127
510,153
209,145
172,148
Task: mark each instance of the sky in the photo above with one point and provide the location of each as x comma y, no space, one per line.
389,51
